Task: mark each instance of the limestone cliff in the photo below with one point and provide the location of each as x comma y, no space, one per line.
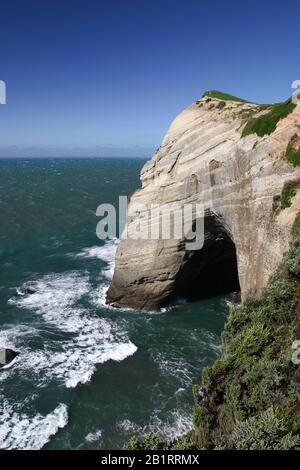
240,180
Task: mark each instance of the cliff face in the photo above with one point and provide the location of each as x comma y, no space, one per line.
239,181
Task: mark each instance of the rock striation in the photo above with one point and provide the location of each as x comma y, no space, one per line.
239,180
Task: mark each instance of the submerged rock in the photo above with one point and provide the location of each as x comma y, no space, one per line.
26,291
6,356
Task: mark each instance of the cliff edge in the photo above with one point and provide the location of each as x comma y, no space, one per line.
238,160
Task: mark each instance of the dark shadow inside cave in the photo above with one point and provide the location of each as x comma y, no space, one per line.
212,270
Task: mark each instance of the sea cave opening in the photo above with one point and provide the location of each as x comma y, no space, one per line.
212,270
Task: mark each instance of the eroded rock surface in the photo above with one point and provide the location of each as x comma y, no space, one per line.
204,159
6,356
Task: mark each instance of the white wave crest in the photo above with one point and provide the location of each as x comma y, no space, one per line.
94,436
86,338
105,253
19,431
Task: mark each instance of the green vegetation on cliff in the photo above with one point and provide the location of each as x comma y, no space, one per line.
223,96
288,192
250,397
293,151
266,124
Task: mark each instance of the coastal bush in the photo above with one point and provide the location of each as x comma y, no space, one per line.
267,123
288,192
186,442
251,341
202,416
131,444
296,228
293,153
264,432
239,317
293,260
253,390
250,397
150,441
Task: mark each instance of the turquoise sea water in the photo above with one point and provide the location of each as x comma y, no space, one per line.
87,376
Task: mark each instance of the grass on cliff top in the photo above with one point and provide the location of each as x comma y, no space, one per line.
266,124
223,96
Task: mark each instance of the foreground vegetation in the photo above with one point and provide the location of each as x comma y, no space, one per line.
250,397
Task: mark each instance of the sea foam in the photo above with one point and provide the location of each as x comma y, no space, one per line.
172,427
19,431
89,339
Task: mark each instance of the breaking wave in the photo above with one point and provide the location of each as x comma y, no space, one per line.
85,338
105,253
19,431
175,425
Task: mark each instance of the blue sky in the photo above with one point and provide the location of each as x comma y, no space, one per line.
106,77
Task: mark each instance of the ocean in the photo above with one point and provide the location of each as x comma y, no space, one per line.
87,376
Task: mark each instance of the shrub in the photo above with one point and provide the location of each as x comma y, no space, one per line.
292,260
293,153
150,442
202,417
296,228
250,342
255,374
267,123
186,442
279,291
288,192
239,317
132,444
264,432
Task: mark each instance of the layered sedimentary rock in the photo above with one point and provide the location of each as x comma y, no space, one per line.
204,159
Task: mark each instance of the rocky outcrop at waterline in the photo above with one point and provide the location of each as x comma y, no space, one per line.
6,357
231,157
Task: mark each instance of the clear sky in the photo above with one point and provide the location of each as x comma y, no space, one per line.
106,77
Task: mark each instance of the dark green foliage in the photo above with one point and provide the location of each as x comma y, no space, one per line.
149,442
276,203
296,228
267,123
292,153
292,259
202,416
186,442
223,96
288,192
132,444
264,432
152,441
253,390
251,393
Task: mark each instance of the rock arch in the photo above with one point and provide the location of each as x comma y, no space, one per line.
213,270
